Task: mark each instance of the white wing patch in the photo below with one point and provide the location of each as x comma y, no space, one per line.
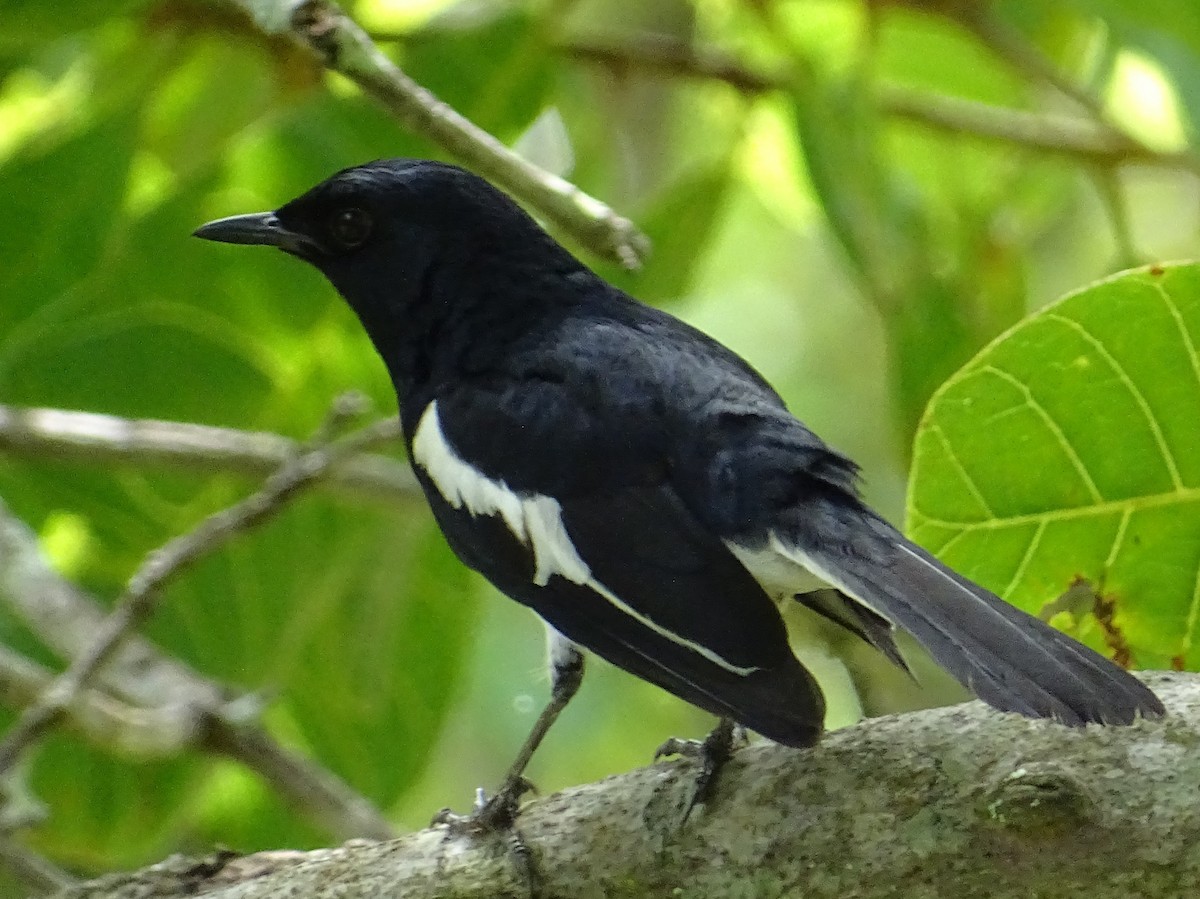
460,484
780,576
533,518
784,571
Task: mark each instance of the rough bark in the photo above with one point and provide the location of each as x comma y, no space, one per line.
954,802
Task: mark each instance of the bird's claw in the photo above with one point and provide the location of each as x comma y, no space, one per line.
712,753
494,814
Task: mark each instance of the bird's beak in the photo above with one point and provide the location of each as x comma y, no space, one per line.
259,228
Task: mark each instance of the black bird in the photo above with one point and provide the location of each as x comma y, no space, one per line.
633,481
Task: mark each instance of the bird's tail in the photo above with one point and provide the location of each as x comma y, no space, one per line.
1009,659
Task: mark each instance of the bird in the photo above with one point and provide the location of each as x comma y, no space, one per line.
634,482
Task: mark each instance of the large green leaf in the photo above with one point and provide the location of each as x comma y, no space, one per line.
1068,452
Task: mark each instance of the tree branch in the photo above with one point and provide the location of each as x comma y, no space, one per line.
991,805
92,437
1073,136
181,708
342,46
1045,133
669,56
32,869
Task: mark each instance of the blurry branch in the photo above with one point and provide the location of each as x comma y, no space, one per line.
179,707
1052,134
667,56
1022,56
1116,204
1086,139
91,437
33,870
99,717
344,47
1027,60
961,796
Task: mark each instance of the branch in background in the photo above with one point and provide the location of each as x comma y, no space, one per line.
102,719
91,437
986,803
667,56
1084,139
169,729
1053,134
67,620
22,568
344,47
37,872
1116,204
1056,135
1022,56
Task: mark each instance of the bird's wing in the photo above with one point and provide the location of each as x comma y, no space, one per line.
564,509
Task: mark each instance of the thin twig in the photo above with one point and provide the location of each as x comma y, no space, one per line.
168,729
1028,60
1116,205
1060,135
158,732
151,704
1053,134
67,620
35,871
92,437
344,47
167,563
669,56
1024,57
317,793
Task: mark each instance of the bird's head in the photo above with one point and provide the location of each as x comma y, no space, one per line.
399,236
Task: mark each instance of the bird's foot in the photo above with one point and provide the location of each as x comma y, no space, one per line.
496,816
712,753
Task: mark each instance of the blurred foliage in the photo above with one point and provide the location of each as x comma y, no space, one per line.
856,256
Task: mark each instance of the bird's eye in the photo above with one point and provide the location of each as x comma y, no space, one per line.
350,227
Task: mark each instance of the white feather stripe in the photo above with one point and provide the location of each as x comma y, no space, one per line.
553,551
534,519
670,635
461,484
780,576
811,567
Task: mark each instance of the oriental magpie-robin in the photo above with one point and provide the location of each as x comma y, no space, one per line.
634,482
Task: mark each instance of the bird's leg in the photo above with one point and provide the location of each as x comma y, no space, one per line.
498,812
712,752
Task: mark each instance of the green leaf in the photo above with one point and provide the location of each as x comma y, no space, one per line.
111,811
46,247
1068,452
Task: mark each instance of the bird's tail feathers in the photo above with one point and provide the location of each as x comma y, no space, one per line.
1010,659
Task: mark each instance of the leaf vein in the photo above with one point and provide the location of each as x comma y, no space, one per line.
1118,539
1134,504
1138,397
1189,632
1052,426
969,481
1184,334
1025,559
